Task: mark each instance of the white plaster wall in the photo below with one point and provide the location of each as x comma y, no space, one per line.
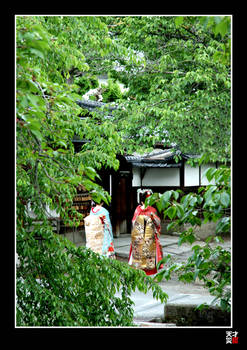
191,175
171,176
161,177
136,181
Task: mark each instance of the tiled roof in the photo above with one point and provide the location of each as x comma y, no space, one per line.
157,159
91,105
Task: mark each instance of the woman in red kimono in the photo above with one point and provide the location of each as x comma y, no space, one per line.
145,248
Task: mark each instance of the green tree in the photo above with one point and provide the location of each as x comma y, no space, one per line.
58,284
179,82
177,73
211,264
85,83
111,92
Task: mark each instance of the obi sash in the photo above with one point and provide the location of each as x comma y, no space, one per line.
143,243
94,231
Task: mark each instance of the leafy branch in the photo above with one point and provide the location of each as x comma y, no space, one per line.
212,265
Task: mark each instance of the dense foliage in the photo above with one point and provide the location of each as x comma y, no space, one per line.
177,73
61,285
58,284
179,84
209,263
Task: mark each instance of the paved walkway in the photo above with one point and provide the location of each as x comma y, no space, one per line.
169,244
147,309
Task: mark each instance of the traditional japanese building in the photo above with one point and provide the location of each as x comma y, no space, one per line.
156,170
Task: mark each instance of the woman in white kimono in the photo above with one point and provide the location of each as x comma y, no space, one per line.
106,244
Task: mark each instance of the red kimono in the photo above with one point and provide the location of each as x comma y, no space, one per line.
139,243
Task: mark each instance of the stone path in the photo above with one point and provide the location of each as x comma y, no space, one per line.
148,312
169,244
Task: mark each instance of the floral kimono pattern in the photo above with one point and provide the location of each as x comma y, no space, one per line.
107,244
145,248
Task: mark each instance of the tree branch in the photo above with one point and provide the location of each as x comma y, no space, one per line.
57,162
49,177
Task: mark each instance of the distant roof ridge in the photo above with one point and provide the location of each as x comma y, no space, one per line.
157,152
94,104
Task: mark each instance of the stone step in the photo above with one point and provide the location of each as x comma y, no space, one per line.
187,314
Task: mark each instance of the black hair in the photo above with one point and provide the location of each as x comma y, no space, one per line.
142,197
93,204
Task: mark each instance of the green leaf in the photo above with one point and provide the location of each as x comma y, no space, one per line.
171,225
62,143
161,202
166,196
210,173
181,240
178,21
225,199
208,194
219,239
202,306
159,206
152,199
180,210
196,274
35,100
209,239
91,173
36,132
38,53
200,189
164,199
159,276
224,304
33,124
171,212
191,238
193,201
175,194
221,28
223,225
198,261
